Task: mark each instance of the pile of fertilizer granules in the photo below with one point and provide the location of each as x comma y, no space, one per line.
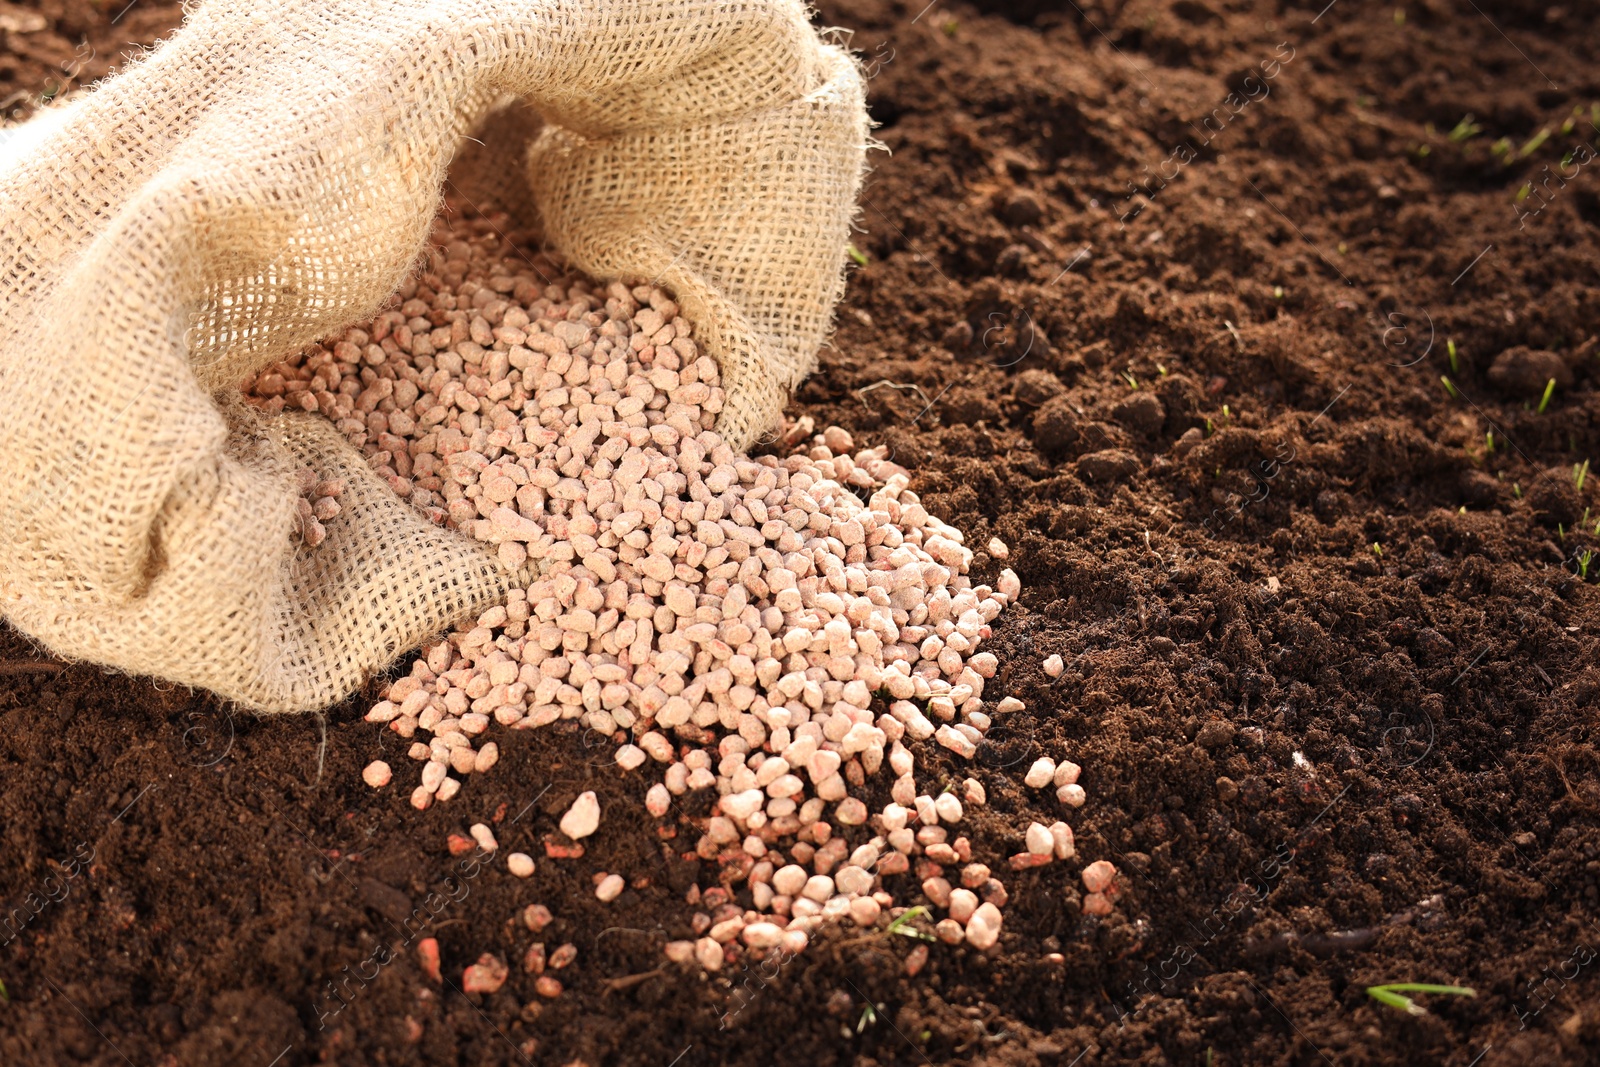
729,618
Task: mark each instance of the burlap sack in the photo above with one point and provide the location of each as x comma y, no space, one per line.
267,176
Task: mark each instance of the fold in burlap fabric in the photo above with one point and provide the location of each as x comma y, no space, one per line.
267,176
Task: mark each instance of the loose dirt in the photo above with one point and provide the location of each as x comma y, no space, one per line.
1327,644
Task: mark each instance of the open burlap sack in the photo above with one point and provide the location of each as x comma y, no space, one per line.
267,176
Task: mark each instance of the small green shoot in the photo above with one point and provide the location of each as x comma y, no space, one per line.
1377,550
856,254
1516,490
1399,17
1502,147
1465,130
1127,376
902,924
1523,193
1534,142
869,1017
1423,151
1161,370
1580,474
1488,442
1561,532
1449,387
924,1036
1226,413
950,28
1209,428
1549,391
1450,349
1394,994
5,994
1572,121
1277,292
1462,510
1583,563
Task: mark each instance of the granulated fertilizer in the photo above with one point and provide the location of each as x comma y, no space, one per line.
729,618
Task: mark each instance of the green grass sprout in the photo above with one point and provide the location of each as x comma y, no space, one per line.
869,1017
1394,996
1465,130
856,254
1449,387
1534,142
1580,474
1450,349
1549,391
902,924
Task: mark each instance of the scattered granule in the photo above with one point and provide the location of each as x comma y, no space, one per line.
730,621
583,818
428,957
485,976
1097,877
318,503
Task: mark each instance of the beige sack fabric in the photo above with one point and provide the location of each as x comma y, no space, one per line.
268,176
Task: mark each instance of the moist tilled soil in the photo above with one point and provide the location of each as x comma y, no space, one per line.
1236,323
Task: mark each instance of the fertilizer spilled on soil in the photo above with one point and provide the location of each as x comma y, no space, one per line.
731,620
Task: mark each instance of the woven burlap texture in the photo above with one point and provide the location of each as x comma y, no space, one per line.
268,176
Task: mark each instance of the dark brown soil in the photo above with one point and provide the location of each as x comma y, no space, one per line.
1330,655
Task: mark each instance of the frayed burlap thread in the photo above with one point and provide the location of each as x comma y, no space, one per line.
268,176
